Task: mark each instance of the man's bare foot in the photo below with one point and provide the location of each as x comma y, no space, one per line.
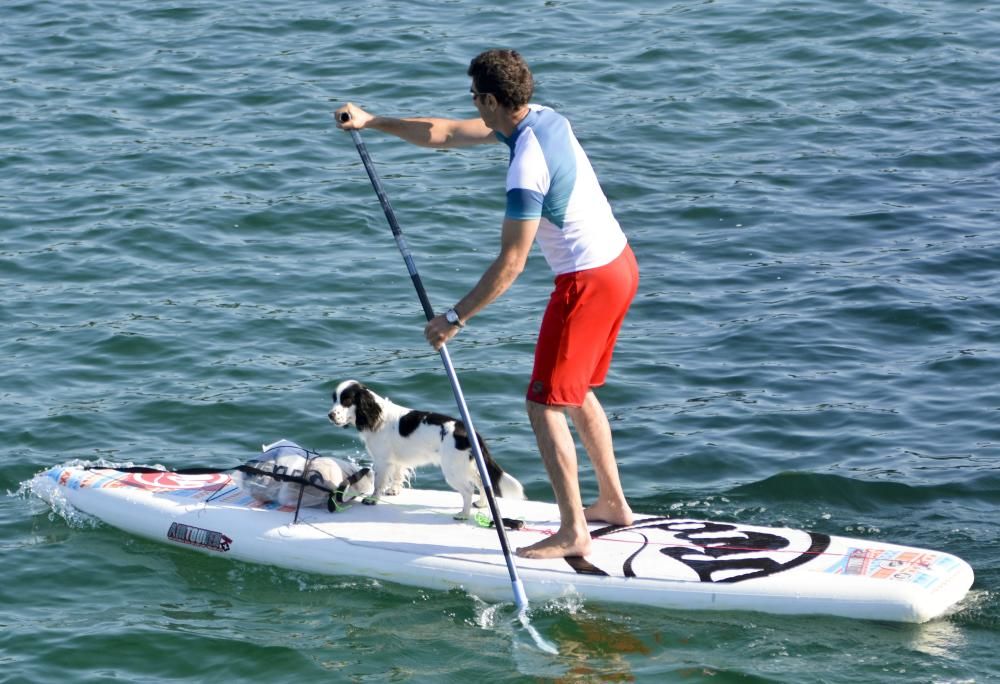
613,514
559,545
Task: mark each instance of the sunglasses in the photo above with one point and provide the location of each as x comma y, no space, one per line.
476,94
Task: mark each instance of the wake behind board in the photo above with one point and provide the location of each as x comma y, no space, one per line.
412,539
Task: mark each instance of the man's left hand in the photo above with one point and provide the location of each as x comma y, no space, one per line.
438,331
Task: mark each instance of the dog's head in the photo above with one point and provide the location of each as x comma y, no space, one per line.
354,404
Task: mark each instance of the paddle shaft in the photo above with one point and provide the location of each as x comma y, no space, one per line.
520,598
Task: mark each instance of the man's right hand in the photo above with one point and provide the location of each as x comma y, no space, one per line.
357,118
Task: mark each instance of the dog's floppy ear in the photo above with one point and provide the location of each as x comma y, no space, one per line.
367,411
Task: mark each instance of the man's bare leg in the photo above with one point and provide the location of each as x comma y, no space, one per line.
591,423
555,443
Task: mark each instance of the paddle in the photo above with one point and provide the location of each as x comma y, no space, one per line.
520,598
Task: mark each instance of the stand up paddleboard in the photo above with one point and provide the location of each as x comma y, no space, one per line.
413,539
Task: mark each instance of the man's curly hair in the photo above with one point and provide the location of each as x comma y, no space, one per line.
505,74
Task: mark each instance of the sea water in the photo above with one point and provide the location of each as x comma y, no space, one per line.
192,258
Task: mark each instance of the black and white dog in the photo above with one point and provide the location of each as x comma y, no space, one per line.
399,439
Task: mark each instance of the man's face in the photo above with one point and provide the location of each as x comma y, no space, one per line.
485,104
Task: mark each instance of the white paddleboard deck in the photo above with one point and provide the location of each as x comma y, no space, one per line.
413,539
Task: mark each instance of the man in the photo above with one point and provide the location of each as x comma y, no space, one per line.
552,196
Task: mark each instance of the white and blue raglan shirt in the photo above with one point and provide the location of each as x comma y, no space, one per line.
551,179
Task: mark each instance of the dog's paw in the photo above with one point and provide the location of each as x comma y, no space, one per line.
370,500
461,516
480,504
392,491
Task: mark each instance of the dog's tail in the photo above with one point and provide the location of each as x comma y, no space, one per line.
508,487
504,484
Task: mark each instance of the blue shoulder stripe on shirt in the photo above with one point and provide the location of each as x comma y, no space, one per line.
524,204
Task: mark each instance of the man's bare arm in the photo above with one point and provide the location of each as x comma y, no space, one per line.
516,240
423,131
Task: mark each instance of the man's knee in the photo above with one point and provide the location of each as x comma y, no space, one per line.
541,415
590,404
535,410
534,406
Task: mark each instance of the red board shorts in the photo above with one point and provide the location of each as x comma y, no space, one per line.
579,330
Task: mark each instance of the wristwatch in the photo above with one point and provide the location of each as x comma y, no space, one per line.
452,317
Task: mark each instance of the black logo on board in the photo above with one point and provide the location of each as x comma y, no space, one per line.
716,552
